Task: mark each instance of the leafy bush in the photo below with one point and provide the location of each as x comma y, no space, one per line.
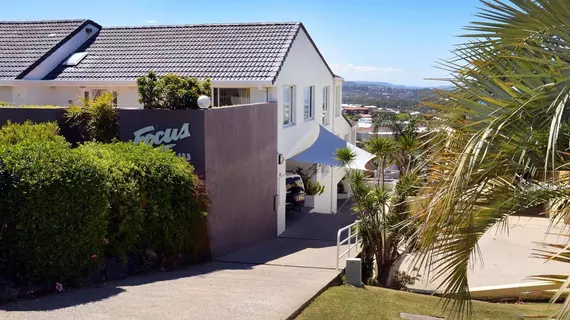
157,201
99,118
4,104
53,212
12,133
313,189
403,280
171,91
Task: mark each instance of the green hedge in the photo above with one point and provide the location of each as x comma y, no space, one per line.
63,209
53,212
13,133
157,202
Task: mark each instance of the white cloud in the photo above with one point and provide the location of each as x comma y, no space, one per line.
151,21
353,68
370,73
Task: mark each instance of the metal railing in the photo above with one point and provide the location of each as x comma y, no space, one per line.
352,230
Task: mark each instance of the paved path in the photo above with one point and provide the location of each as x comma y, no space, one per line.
506,255
268,281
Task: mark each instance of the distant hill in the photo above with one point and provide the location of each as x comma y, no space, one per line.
384,94
384,84
398,86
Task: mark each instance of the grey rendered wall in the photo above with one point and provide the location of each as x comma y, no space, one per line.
241,168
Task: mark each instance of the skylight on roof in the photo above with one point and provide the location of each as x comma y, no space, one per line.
74,59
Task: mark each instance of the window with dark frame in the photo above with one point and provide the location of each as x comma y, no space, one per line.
231,96
309,103
97,92
288,105
337,101
326,99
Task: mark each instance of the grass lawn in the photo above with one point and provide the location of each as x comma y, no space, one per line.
377,303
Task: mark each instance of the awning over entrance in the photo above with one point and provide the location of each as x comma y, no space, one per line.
323,151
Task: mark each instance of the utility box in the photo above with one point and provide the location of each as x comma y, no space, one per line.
353,272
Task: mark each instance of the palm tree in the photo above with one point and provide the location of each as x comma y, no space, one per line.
383,149
383,214
504,136
383,120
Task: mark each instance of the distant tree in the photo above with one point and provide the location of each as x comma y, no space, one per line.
171,91
403,117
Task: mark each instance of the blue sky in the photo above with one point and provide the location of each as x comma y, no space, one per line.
397,41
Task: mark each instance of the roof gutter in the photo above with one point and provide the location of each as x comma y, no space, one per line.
117,83
248,83
67,83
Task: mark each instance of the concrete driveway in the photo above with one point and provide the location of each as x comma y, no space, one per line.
506,255
269,281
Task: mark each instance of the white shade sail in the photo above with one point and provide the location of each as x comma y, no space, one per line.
323,151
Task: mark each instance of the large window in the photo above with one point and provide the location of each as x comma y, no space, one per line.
230,97
95,93
288,105
326,99
309,103
337,101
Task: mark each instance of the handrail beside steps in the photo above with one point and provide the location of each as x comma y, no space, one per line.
352,233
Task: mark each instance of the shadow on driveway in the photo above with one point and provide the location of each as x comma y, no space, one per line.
112,288
309,242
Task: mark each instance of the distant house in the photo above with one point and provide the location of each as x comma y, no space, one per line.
355,110
59,62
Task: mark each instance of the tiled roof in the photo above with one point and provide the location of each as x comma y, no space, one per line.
248,51
24,43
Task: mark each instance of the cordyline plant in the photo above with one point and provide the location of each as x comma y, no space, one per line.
384,226
503,141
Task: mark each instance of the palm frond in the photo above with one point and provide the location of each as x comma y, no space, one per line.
506,130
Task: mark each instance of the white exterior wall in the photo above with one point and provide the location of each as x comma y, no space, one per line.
303,67
128,98
6,94
45,95
19,95
344,130
37,95
257,96
61,95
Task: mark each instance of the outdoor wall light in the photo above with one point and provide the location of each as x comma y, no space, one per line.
204,102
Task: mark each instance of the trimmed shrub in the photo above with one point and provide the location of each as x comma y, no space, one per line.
157,201
63,209
12,133
125,196
53,212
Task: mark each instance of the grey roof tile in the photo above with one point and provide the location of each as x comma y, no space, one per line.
24,43
249,51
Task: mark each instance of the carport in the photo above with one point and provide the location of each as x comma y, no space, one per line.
322,151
